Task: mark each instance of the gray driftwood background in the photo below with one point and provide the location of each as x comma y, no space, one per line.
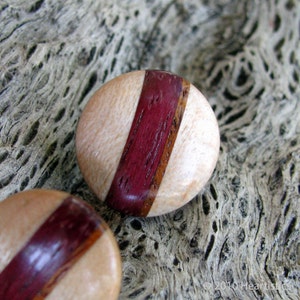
239,239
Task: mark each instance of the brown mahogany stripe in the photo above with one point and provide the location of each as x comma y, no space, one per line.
56,245
149,144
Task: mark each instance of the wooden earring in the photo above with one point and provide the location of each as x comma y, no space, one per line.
55,245
147,142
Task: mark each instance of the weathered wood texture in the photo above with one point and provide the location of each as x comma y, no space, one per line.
239,239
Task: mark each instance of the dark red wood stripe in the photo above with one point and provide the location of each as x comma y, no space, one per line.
57,244
149,144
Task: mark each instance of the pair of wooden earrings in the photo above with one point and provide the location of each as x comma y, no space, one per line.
146,143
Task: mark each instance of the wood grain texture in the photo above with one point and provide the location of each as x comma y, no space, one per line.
13,237
168,154
150,142
105,121
70,254
193,158
239,238
61,240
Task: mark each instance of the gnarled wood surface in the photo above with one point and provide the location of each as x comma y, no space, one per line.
239,239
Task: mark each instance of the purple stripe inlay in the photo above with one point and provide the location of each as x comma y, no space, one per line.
146,142
56,245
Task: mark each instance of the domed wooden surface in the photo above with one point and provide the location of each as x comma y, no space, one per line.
55,246
147,142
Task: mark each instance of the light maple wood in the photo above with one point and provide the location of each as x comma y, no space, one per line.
96,275
193,158
20,216
103,130
104,127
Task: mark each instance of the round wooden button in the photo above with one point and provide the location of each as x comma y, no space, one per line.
147,142
54,245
